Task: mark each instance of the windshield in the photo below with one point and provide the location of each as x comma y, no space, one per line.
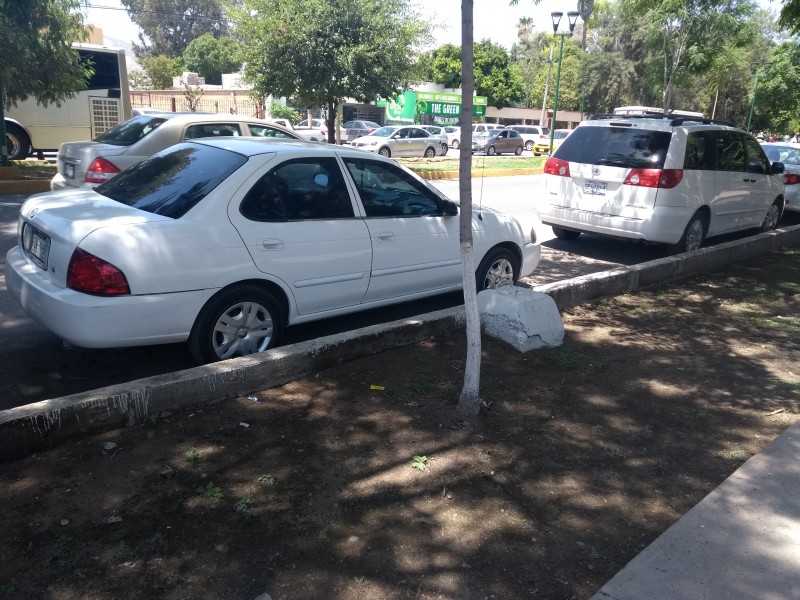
131,131
384,131
174,180
560,135
628,147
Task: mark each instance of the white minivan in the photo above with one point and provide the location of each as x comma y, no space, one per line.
665,180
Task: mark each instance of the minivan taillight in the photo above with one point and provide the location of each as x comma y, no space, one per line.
556,166
92,275
100,171
654,178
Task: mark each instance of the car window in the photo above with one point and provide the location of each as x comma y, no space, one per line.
384,131
756,159
269,132
388,191
131,131
300,189
784,154
699,151
173,181
616,146
419,133
199,130
730,151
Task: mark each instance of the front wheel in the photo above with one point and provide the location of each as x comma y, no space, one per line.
565,234
429,152
528,146
239,321
693,236
773,216
498,268
385,152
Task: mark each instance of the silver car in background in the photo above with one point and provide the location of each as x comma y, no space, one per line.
435,131
399,140
789,155
85,165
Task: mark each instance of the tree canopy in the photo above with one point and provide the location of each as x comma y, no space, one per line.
320,52
210,57
169,26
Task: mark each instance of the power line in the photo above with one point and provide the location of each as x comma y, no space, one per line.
160,14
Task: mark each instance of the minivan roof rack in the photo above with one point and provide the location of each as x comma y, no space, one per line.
674,121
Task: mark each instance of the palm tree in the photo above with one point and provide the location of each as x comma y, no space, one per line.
524,27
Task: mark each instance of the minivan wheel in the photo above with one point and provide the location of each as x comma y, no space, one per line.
429,152
693,236
528,146
238,321
385,152
773,216
498,268
565,234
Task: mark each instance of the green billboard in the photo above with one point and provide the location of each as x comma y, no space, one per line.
409,107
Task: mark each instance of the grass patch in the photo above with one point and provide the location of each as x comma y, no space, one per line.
39,169
450,165
210,491
737,455
565,357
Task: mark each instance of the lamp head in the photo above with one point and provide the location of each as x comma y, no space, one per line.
556,16
572,17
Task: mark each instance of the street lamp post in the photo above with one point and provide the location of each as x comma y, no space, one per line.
758,76
572,18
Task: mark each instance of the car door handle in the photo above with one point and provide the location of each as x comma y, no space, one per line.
750,180
386,236
272,244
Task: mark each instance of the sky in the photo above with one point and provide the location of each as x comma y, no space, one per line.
493,19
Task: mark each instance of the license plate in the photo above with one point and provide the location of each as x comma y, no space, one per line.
595,188
69,171
36,244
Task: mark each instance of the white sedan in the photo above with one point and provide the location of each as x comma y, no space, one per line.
224,242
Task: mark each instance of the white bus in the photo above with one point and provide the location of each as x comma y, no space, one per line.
103,103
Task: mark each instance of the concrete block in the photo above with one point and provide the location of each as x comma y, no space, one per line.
522,317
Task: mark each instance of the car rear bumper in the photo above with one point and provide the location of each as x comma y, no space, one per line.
98,321
59,182
531,254
662,225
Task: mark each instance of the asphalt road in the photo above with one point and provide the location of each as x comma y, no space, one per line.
37,366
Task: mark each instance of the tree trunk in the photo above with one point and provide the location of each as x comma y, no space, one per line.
543,121
330,122
469,401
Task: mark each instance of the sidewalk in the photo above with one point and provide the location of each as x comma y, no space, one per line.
741,542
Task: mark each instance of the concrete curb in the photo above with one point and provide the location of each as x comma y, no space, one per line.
28,428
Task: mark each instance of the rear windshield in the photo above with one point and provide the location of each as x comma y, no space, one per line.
131,131
616,146
784,154
171,182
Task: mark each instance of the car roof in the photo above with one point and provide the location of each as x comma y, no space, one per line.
198,117
255,146
661,122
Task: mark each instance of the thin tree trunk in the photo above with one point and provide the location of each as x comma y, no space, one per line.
469,401
543,120
716,98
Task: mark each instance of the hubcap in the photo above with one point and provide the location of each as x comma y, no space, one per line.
771,222
694,236
500,273
245,328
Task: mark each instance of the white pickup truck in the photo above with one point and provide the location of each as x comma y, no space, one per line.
318,132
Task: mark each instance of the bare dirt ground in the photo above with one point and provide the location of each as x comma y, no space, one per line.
361,484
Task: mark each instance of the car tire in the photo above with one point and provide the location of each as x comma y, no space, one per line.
454,144
18,144
537,154
528,146
429,152
518,151
445,148
499,267
491,151
224,330
693,236
385,152
566,234
773,216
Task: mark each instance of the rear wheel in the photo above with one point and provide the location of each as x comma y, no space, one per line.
429,152
454,144
385,152
773,216
239,321
491,151
445,148
18,144
693,236
565,234
518,151
499,267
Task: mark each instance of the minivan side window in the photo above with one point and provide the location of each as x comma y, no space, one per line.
756,159
730,151
699,151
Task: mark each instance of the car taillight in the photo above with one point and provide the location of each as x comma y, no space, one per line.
91,275
100,171
791,179
654,178
556,166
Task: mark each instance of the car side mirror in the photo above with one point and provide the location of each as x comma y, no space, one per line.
450,208
777,168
